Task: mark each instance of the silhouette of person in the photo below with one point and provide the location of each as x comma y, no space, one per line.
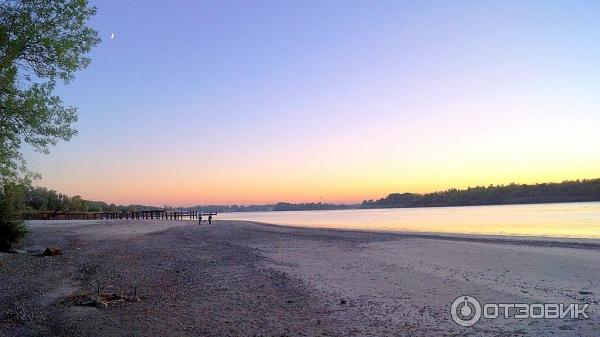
210,219
200,219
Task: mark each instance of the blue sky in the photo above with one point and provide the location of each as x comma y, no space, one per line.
340,100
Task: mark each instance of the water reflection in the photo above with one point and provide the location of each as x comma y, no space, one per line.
558,220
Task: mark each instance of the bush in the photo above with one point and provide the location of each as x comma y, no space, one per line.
12,227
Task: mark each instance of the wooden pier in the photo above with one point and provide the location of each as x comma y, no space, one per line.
139,215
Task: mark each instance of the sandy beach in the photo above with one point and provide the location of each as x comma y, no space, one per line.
236,278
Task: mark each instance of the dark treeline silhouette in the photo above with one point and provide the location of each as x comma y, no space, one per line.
280,206
567,191
284,206
229,208
40,199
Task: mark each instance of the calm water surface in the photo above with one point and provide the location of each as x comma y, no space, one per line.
579,220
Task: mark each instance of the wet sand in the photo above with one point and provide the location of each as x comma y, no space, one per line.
237,278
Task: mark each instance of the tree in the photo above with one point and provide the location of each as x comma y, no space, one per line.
12,228
42,43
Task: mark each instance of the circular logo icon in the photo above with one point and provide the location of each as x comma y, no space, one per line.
466,310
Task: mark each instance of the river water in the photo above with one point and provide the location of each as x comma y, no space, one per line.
578,220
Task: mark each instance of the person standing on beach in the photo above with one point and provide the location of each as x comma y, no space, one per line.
200,219
209,219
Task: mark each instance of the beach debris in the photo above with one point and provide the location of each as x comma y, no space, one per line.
17,251
102,300
52,251
343,301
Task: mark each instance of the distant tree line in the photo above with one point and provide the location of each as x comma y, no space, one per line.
229,208
280,206
41,199
284,206
567,191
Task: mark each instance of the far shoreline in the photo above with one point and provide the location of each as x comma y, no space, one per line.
350,208
540,222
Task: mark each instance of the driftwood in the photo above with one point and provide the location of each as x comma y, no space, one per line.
103,300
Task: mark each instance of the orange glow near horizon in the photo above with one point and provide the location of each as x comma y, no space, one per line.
338,169
451,151
260,184
388,156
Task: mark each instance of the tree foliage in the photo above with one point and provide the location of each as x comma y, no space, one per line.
41,199
567,191
12,228
42,43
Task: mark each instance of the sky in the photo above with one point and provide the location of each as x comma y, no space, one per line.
246,102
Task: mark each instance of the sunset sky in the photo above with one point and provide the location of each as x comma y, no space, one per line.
197,102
